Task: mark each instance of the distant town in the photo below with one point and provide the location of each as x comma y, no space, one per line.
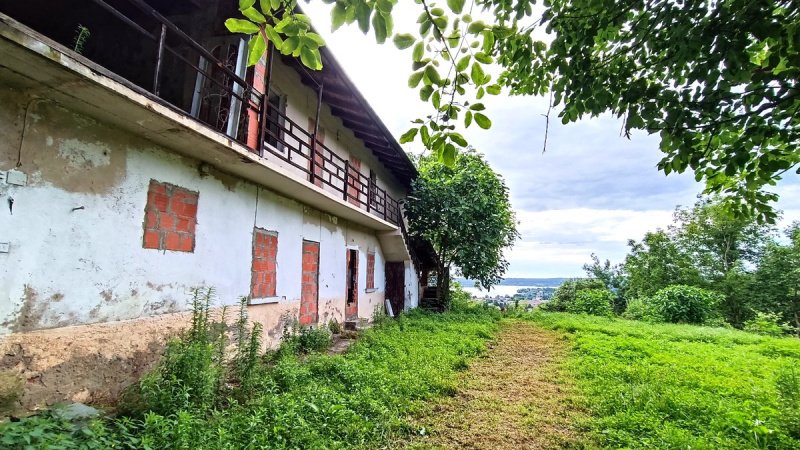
514,291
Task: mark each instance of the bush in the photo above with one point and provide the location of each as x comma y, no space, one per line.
684,304
564,296
642,309
768,324
596,302
303,340
460,299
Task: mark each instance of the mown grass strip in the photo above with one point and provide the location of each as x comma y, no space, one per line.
682,386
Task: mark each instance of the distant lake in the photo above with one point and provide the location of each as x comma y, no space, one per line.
496,290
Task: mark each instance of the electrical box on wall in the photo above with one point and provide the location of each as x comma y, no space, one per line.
16,178
5,247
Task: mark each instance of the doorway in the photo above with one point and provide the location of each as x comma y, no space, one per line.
396,285
351,304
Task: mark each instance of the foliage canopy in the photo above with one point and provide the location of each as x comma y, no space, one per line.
716,80
464,211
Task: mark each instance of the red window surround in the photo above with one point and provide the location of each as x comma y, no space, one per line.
264,270
170,218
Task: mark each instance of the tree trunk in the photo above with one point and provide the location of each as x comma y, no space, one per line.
443,286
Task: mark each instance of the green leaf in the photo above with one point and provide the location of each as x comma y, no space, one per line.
476,27
467,119
362,16
255,49
488,42
456,5
273,36
477,74
290,45
484,58
433,75
418,52
241,26
463,63
244,4
379,26
458,139
449,155
414,79
274,4
477,107
437,12
310,58
338,16
425,93
403,41
409,136
494,89
482,121
253,14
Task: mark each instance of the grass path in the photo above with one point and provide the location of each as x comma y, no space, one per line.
512,398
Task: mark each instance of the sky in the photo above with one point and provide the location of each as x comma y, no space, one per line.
590,191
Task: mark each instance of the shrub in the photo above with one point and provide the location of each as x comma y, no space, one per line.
460,299
642,309
767,323
787,384
191,371
334,326
303,340
565,294
596,302
684,304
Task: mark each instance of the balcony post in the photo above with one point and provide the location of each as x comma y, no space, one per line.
157,76
314,149
262,134
369,194
346,179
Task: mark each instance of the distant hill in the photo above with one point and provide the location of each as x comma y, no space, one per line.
541,282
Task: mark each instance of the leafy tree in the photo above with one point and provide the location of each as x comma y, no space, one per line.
777,279
717,80
718,242
464,211
565,295
655,263
612,277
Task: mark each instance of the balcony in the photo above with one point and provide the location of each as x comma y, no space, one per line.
135,43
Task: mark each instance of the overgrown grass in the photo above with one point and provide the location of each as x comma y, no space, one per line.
682,386
357,400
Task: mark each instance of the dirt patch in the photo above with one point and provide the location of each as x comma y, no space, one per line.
513,398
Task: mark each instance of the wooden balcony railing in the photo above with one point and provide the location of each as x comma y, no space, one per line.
292,143
171,63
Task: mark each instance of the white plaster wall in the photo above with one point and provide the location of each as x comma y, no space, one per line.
76,252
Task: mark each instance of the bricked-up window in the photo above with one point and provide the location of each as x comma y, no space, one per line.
263,282
170,217
370,270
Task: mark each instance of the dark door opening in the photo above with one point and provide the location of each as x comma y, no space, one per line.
351,305
396,285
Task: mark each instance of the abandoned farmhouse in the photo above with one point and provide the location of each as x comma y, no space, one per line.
140,158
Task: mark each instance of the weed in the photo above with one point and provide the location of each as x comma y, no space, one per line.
81,36
334,326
